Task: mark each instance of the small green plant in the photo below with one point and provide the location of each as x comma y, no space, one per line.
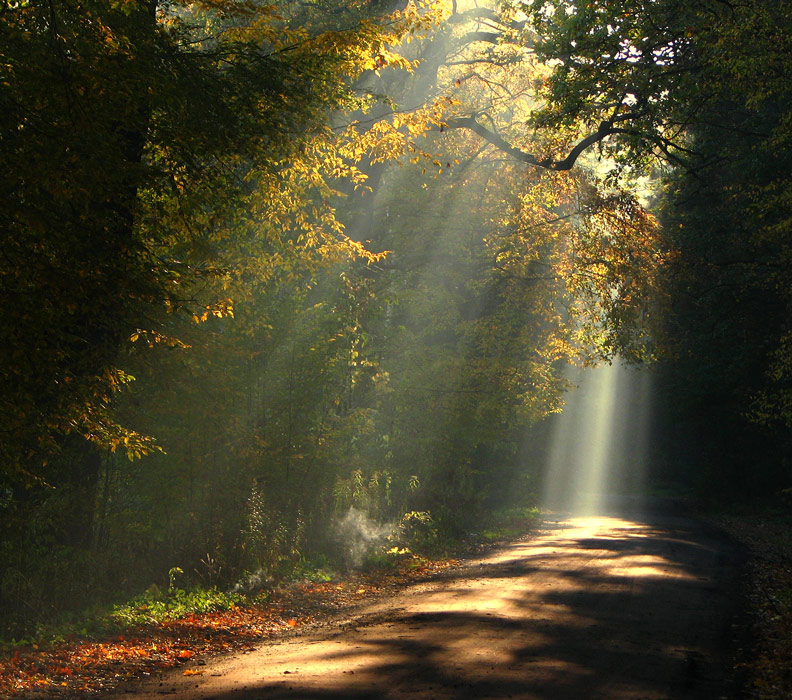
271,545
172,574
382,559
371,493
315,571
153,606
417,531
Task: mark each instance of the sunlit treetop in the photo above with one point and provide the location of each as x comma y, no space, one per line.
633,73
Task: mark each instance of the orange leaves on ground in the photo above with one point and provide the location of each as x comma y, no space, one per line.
73,668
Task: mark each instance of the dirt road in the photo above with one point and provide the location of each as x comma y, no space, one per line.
591,608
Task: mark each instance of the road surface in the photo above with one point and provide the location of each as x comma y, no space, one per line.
590,608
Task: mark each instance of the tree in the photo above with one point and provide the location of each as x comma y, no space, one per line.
157,156
130,130
629,78
698,87
725,323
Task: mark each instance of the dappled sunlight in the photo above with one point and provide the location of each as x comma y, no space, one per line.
597,607
590,525
297,289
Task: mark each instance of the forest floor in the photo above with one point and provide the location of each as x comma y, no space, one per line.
613,607
619,607
84,666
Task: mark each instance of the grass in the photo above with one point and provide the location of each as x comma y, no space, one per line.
163,628
151,607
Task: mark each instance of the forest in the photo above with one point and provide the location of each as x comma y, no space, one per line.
269,265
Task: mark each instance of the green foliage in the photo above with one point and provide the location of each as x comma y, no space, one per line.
695,91
315,570
140,141
285,371
154,606
392,559
270,547
637,71
417,531
725,296
373,495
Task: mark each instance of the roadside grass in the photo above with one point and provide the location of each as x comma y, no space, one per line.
154,607
175,629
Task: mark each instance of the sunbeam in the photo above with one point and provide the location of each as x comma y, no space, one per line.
597,459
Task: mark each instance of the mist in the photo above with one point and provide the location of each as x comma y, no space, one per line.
359,535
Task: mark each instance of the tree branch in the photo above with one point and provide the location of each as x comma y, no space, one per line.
493,137
470,37
479,13
605,129
505,61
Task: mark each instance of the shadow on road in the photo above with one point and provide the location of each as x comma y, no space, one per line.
595,608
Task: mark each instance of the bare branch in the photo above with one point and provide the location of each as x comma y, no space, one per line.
493,137
479,13
505,61
605,129
471,37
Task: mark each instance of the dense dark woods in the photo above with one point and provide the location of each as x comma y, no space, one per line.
726,319
264,266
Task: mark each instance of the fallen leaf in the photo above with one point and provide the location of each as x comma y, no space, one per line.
193,672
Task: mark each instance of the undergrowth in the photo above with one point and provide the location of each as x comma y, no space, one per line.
154,606
508,523
415,542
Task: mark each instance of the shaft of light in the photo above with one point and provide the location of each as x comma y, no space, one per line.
597,457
